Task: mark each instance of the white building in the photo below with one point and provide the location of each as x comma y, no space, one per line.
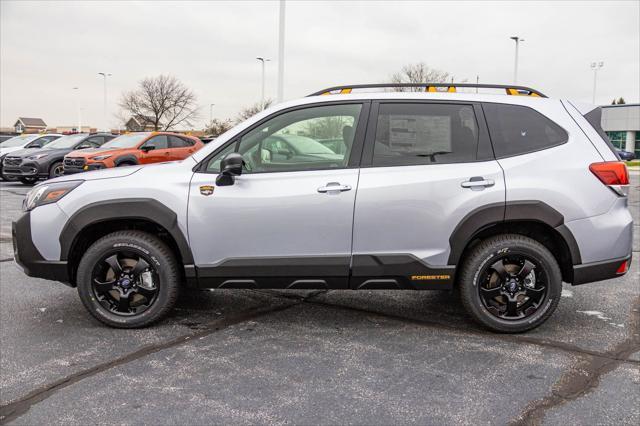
622,124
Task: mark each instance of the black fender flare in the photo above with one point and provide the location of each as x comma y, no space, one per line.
128,158
511,211
127,208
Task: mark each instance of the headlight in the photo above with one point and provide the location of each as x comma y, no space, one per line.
101,157
35,157
48,193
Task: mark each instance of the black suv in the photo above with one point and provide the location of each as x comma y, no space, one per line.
46,163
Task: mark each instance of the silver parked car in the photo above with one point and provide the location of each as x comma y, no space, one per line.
428,191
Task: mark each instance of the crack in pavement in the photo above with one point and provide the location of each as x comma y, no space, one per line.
584,376
547,343
17,408
8,259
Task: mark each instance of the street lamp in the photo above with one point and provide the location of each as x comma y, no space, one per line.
77,91
518,40
281,52
262,60
595,66
105,75
211,113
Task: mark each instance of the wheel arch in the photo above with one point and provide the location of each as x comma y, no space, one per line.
534,219
127,158
99,219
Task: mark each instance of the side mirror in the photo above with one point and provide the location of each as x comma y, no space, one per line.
230,167
147,148
83,146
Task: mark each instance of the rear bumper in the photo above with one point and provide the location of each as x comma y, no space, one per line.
29,258
599,271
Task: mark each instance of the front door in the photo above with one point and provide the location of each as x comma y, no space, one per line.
160,152
425,167
286,222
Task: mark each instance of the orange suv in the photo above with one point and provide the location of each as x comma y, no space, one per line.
131,149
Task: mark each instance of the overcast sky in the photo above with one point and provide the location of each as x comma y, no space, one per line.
46,48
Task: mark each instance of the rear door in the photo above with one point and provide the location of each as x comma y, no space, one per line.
426,165
180,147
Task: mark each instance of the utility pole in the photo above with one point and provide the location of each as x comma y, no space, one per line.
77,91
281,52
105,75
262,60
211,113
595,66
518,40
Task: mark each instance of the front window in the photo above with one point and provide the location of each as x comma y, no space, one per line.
18,141
66,141
131,140
313,138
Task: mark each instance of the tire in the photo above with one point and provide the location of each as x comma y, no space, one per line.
56,170
162,266
28,180
480,279
125,164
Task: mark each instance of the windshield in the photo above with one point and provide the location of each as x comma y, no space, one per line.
126,141
18,141
66,141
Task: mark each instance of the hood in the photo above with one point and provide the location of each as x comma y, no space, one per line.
33,151
4,151
90,152
115,172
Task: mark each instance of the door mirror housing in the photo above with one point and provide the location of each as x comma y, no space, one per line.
147,148
230,167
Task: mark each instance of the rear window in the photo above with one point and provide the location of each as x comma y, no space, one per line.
518,130
413,134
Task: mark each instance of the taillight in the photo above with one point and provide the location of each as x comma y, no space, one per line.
623,268
614,174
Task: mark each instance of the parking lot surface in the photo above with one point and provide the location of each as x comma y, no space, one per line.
367,357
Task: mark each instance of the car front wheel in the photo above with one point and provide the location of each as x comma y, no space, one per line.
128,279
510,283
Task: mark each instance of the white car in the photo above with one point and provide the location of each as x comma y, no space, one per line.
23,142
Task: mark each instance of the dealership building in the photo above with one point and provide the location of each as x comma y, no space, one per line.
622,124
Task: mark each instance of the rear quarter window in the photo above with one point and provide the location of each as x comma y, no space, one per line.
516,130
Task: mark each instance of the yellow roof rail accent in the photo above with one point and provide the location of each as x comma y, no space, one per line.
432,87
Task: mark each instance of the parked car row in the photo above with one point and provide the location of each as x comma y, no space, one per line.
29,158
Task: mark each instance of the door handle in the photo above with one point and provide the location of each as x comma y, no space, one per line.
477,182
334,187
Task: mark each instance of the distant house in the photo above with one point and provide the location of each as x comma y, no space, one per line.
30,125
140,123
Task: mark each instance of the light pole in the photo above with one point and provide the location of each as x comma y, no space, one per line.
105,75
211,113
77,91
595,66
262,60
281,52
518,40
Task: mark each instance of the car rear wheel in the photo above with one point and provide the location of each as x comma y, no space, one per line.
56,170
128,279
510,283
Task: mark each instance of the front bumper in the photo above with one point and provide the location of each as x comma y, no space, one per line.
26,169
86,168
29,258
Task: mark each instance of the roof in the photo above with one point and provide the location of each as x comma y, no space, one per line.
32,122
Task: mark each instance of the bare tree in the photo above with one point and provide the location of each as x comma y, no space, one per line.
162,101
419,73
217,127
252,110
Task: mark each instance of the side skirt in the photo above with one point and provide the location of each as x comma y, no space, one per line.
366,272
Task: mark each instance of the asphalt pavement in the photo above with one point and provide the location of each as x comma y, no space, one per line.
338,357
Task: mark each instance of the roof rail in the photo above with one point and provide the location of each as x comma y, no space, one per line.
431,87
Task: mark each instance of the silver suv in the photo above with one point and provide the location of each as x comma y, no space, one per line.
354,188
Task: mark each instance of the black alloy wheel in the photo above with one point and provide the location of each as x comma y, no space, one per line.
57,170
125,283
